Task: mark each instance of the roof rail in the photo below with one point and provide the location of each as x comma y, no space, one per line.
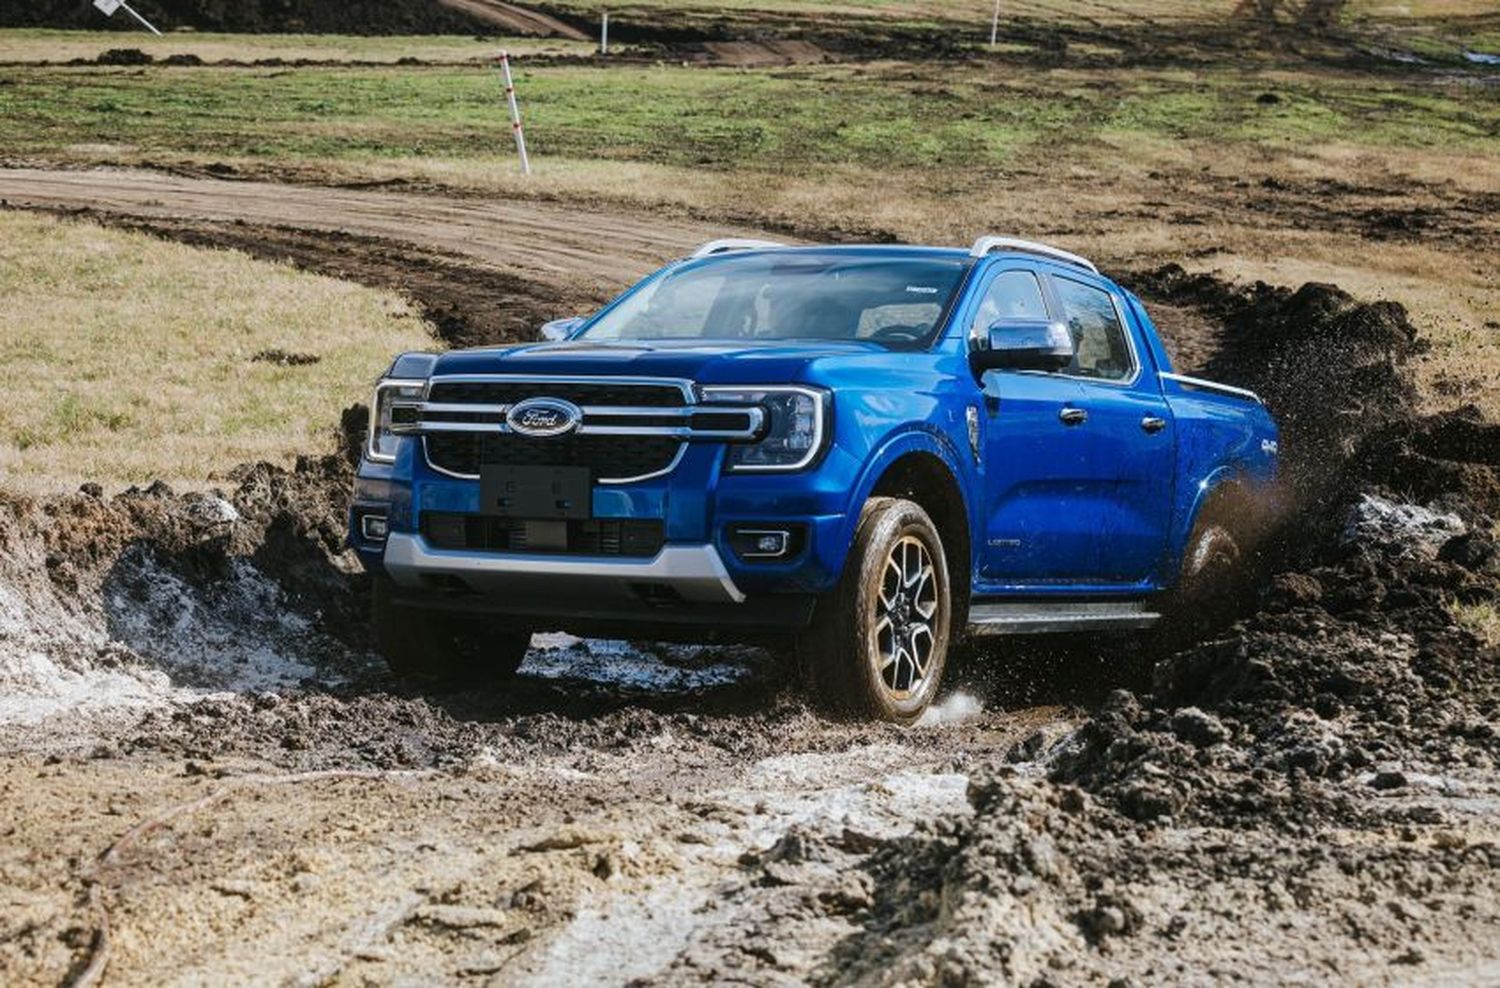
733,243
986,245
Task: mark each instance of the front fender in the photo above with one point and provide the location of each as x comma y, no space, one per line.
924,438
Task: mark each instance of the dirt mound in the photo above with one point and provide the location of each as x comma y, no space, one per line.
1335,373
108,601
1451,458
124,56
1321,775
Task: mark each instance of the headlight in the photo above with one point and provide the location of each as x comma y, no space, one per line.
381,445
795,426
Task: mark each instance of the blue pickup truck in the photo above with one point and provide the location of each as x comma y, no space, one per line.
873,452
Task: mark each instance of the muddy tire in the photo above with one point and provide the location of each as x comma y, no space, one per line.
1215,579
878,644
443,648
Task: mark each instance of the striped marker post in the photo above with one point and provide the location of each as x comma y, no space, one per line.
515,112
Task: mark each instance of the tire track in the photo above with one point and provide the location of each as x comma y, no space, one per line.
605,249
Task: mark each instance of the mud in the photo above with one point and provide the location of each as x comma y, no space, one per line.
1336,374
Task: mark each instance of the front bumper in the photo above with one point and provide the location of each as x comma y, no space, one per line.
695,573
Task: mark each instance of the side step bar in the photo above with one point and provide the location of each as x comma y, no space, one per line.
1042,617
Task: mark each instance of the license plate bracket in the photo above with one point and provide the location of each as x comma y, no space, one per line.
536,492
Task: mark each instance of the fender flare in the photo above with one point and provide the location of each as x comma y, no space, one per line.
1224,477
917,439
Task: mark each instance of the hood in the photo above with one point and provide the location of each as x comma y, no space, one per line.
710,362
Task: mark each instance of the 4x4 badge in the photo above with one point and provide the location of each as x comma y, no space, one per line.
544,417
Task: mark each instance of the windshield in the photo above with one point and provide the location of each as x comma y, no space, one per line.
893,301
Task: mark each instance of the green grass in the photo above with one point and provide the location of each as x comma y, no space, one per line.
790,119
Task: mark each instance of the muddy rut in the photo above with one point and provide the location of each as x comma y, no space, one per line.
207,775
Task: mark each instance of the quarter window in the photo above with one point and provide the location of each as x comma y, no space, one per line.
1100,349
1012,295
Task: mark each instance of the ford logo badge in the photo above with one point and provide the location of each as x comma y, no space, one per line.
544,417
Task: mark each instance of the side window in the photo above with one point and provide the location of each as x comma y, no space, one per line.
1012,295
1099,346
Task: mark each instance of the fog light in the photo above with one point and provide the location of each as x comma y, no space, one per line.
764,543
770,544
374,527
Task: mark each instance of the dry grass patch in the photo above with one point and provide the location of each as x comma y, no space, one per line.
1482,619
135,359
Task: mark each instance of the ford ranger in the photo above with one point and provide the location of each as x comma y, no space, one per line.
872,452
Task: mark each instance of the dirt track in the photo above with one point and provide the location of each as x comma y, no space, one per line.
511,18
544,239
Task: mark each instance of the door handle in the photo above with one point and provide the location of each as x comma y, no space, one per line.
1153,424
1073,416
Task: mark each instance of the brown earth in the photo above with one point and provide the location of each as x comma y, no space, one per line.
301,16
512,18
208,776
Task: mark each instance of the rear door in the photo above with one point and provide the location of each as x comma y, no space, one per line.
1033,460
1127,440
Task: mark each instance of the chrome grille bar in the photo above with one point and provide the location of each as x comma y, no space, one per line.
754,416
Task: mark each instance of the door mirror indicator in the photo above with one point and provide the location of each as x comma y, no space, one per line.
1024,345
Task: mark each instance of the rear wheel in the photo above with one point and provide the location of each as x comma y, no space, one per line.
442,647
878,644
1215,580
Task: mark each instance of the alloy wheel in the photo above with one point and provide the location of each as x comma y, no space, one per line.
906,616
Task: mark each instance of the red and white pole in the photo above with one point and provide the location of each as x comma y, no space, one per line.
515,113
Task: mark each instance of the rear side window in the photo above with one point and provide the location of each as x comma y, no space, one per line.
1100,349
1012,295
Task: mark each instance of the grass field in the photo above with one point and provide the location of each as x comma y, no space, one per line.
138,357
794,119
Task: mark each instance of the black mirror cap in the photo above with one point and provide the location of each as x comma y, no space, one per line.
1031,345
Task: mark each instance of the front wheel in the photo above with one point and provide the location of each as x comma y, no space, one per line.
441,647
878,644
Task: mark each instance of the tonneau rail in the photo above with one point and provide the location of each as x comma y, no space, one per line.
1205,385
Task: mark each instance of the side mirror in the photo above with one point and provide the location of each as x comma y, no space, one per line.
561,329
1024,345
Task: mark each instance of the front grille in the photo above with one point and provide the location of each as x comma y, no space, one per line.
633,538
499,392
608,457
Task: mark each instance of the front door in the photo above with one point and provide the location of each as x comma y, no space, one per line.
1126,436
1039,526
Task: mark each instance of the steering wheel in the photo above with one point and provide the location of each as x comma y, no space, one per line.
901,333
